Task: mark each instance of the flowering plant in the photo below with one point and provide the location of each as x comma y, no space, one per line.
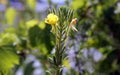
62,22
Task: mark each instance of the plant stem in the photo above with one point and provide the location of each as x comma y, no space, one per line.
58,72
58,53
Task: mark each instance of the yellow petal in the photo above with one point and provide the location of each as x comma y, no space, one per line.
51,19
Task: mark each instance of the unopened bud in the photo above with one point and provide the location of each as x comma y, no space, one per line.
74,21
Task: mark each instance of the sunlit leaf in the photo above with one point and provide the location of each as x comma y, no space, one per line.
31,23
77,3
43,49
31,4
42,25
8,58
8,38
11,30
10,15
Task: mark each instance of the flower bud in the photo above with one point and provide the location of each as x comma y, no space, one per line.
74,21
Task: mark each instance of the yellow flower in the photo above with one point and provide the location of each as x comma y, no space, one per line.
51,19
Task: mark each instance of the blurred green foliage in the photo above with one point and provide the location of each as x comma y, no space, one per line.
23,32
8,58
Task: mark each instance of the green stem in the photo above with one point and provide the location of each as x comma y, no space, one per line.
58,55
58,72
67,33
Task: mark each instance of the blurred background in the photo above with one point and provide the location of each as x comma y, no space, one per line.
27,42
